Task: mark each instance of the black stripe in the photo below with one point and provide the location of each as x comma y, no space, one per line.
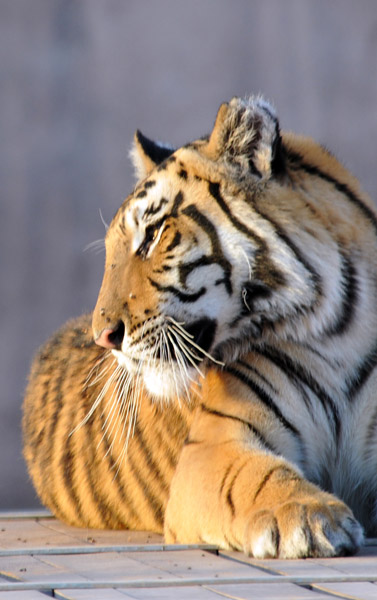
176,204
169,455
229,499
297,373
349,301
182,296
106,508
153,210
281,233
33,411
54,394
150,183
254,370
343,188
185,269
98,419
122,486
257,434
292,477
228,495
371,437
263,397
176,241
217,255
214,190
66,464
264,269
151,464
190,442
154,503
298,384
105,512
227,471
45,452
308,532
171,437
363,373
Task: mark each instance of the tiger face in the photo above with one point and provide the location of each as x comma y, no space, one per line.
195,269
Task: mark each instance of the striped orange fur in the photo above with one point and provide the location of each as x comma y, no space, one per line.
224,388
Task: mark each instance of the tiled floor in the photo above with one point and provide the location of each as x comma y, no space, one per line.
41,556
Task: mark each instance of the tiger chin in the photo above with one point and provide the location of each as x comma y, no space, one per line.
224,389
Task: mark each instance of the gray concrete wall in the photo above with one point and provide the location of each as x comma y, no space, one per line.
78,77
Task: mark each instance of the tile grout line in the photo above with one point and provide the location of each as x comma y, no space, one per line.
185,582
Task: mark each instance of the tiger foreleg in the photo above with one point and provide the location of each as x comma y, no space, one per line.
224,492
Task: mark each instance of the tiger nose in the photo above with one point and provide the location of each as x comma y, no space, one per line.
111,337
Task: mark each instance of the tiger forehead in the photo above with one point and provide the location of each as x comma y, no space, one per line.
149,202
158,194
161,194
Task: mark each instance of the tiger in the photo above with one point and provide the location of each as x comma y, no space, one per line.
223,391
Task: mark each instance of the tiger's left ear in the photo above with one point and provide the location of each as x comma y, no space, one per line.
146,154
246,135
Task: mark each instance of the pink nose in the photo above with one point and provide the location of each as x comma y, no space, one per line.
105,340
111,338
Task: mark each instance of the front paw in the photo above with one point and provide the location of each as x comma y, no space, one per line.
303,529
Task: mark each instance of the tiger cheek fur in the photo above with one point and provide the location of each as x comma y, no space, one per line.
230,395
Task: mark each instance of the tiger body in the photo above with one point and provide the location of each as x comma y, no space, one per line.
230,398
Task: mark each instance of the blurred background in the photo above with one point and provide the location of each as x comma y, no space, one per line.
79,76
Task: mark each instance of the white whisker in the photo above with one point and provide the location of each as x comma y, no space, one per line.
244,298
181,363
97,246
99,376
186,351
96,367
129,414
171,352
97,401
189,338
248,263
171,362
106,225
109,423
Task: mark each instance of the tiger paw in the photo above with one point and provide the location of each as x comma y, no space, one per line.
303,530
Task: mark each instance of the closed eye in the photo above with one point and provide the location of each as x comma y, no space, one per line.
152,233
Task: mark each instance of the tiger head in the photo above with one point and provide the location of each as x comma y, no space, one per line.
202,257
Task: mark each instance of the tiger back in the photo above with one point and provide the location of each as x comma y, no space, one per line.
230,395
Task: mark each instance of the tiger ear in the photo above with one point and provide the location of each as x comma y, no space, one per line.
246,134
146,154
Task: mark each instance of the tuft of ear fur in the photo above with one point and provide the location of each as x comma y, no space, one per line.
246,134
146,154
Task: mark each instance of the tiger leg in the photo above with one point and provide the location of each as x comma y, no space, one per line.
227,493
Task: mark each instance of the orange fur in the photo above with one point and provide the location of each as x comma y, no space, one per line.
246,227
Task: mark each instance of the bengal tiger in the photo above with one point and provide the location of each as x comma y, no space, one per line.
224,389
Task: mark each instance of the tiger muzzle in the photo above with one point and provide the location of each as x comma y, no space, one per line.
196,337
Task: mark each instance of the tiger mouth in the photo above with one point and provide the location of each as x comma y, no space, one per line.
185,345
197,338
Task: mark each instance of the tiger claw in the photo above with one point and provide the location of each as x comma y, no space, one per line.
296,530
